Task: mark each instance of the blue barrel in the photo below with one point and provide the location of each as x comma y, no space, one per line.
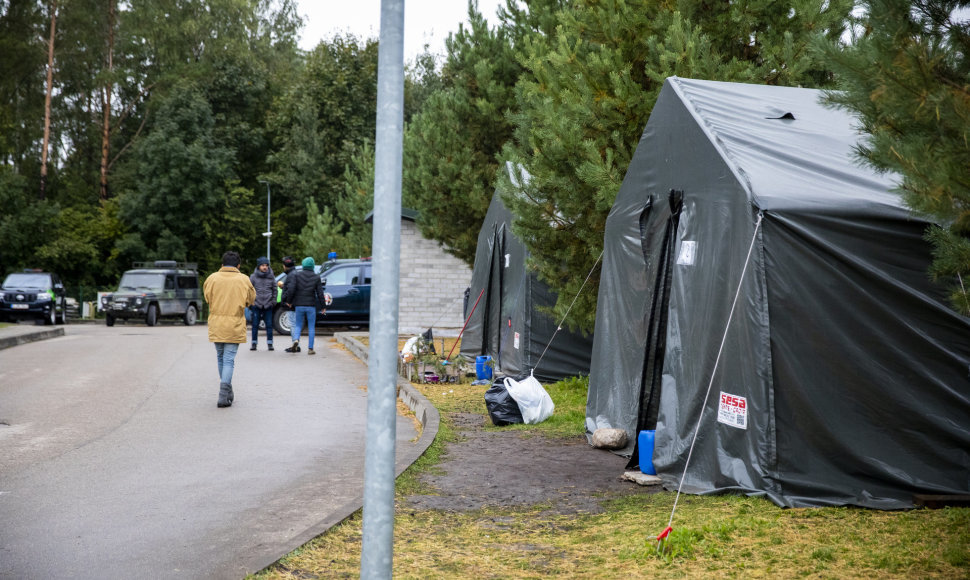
645,450
483,370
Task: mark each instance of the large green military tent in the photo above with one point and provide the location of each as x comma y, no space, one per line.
509,322
750,256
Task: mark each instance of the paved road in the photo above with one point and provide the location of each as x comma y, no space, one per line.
116,463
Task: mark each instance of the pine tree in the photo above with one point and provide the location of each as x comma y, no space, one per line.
322,120
907,76
588,92
343,229
451,145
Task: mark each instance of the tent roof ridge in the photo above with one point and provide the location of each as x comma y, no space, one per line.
714,137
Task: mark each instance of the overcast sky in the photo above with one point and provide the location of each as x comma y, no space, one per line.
425,21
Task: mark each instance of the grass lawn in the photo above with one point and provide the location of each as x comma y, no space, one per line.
713,537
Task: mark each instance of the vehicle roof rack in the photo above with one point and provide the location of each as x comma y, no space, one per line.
167,264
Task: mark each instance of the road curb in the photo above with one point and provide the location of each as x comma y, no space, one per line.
30,336
426,413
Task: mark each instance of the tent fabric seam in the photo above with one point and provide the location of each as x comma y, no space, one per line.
714,139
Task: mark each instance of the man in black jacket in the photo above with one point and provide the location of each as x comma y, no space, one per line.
304,293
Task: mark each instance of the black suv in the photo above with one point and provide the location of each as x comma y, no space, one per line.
151,291
346,286
33,294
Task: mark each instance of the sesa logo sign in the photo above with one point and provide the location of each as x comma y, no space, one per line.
733,411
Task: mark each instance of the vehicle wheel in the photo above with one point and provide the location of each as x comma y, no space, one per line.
283,321
51,318
191,315
62,319
151,319
109,320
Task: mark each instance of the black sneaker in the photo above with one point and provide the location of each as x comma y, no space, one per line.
253,347
294,348
269,346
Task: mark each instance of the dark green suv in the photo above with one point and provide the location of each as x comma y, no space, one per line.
150,291
33,294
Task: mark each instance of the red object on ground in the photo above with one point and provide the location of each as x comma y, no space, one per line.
665,533
466,324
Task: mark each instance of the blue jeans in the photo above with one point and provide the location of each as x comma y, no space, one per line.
226,357
266,315
311,317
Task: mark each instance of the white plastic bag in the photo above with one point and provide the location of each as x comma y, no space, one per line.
410,350
534,402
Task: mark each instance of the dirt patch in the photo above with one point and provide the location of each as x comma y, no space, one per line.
490,468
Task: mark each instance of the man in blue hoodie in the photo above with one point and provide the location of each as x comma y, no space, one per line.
265,284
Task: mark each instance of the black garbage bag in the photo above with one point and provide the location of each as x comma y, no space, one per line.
502,408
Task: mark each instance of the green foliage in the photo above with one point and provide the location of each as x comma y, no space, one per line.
179,176
451,146
22,60
588,92
81,238
230,227
320,122
233,55
342,229
24,222
951,260
907,77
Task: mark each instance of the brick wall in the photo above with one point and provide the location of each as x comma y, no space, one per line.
433,284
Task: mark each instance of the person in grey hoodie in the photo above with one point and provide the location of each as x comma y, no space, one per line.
262,309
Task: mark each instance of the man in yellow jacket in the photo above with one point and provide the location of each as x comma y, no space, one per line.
228,292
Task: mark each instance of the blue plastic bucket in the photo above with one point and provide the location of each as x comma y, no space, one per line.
645,450
483,370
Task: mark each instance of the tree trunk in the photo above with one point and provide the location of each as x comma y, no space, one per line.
47,102
106,103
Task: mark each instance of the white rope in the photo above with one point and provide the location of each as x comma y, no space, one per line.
720,350
445,311
559,326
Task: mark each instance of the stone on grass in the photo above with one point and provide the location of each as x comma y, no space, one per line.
640,478
609,438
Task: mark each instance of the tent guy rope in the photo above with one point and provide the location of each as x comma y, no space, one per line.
559,326
664,534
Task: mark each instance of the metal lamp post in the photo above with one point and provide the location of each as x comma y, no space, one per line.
377,547
269,232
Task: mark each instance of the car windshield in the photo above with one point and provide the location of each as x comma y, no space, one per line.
139,280
39,281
